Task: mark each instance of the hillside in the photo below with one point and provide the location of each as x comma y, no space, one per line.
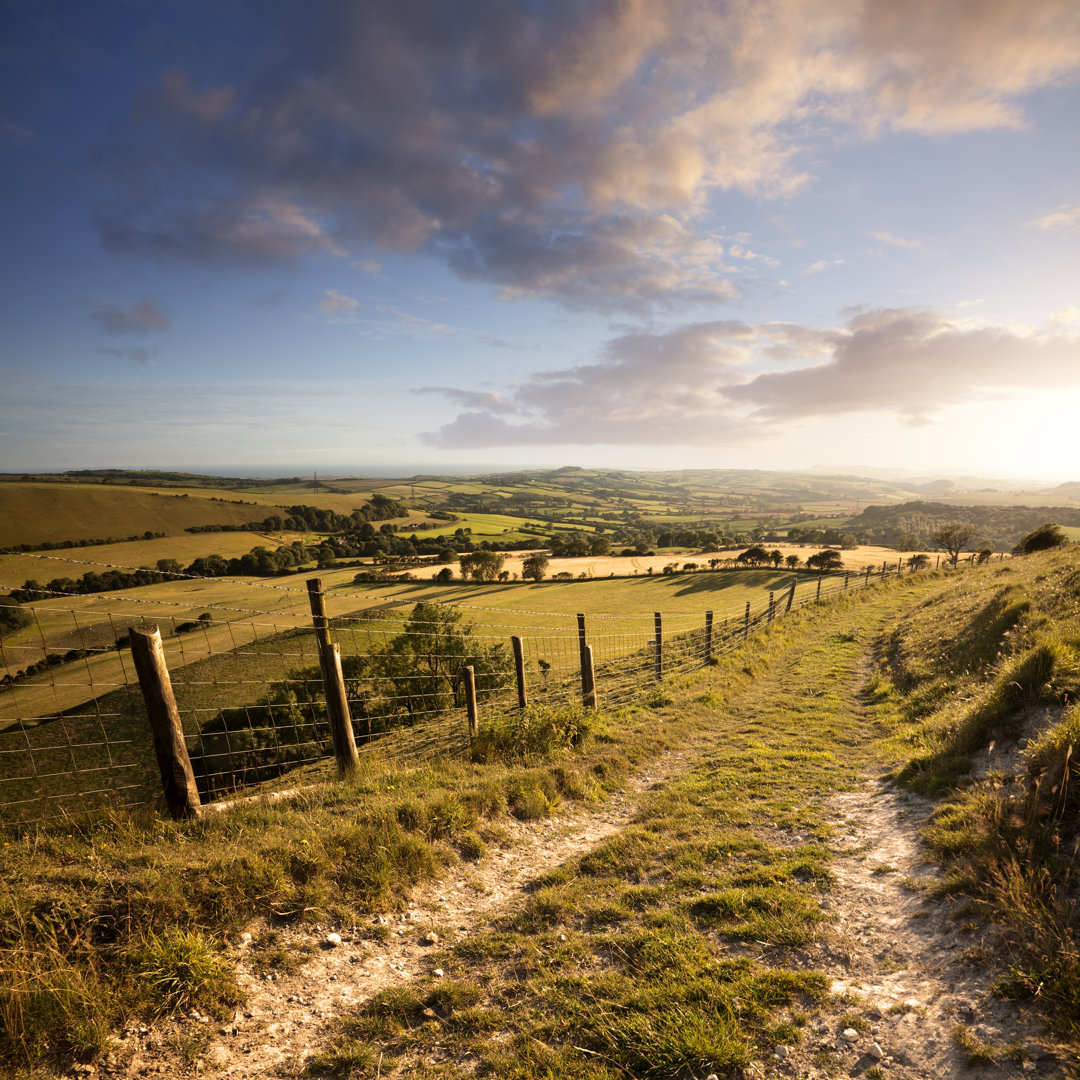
745,859
32,513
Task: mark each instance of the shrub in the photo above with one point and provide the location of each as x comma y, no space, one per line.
535,733
1044,537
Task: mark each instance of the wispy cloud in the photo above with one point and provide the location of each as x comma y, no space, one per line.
145,317
704,384
822,264
1063,219
892,240
142,357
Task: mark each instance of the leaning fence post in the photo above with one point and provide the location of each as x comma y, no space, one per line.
470,702
337,701
177,777
771,602
519,669
791,595
588,679
658,633
746,623
708,637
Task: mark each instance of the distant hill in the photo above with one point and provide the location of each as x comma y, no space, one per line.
1000,526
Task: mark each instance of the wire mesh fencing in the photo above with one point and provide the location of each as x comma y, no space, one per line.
251,693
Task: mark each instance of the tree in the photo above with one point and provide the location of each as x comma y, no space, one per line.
777,556
919,562
481,565
445,575
826,559
421,671
753,556
954,537
12,617
1041,539
535,566
793,561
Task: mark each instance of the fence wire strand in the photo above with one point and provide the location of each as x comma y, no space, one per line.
73,731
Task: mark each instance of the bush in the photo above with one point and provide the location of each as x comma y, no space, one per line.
536,733
1041,539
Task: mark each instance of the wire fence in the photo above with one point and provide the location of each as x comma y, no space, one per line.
250,688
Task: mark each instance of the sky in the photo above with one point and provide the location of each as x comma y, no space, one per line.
379,235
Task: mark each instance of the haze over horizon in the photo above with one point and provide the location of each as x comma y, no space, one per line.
679,234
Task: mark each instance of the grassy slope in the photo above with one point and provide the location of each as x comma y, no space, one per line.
39,513
644,981
69,883
983,681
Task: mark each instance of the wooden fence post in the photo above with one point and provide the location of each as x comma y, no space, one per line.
771,602
818,597
658,633
177,778
582,640
867,582
746,623
588,680
519,668
708,637
846,573
791,596
337,701
470,702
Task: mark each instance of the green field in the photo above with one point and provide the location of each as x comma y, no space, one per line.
53,513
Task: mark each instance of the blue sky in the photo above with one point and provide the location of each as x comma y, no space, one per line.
637,233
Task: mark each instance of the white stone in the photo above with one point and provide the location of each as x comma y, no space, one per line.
876,1051
850,1034
333,940
781,1052
439,972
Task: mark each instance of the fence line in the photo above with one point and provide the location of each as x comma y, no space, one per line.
252,691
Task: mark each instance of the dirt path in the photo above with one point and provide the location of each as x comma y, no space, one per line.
914,967
287,1017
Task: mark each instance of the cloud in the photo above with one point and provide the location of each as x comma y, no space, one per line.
822,264
892,240
470,399
703,384
145,317
1063,219
335,303
560,149
140,356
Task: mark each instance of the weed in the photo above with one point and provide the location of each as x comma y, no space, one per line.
181,970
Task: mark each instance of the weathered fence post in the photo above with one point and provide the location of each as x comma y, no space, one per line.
937,563
582,641
884,564
337,701
746,623
708,637
818,597
791,596
899,567
177,778
588,680
771,603
519,668
846,574
867,582
658,633
470,702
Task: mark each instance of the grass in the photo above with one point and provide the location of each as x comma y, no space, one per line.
979,665
37,513
680,945
676,947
